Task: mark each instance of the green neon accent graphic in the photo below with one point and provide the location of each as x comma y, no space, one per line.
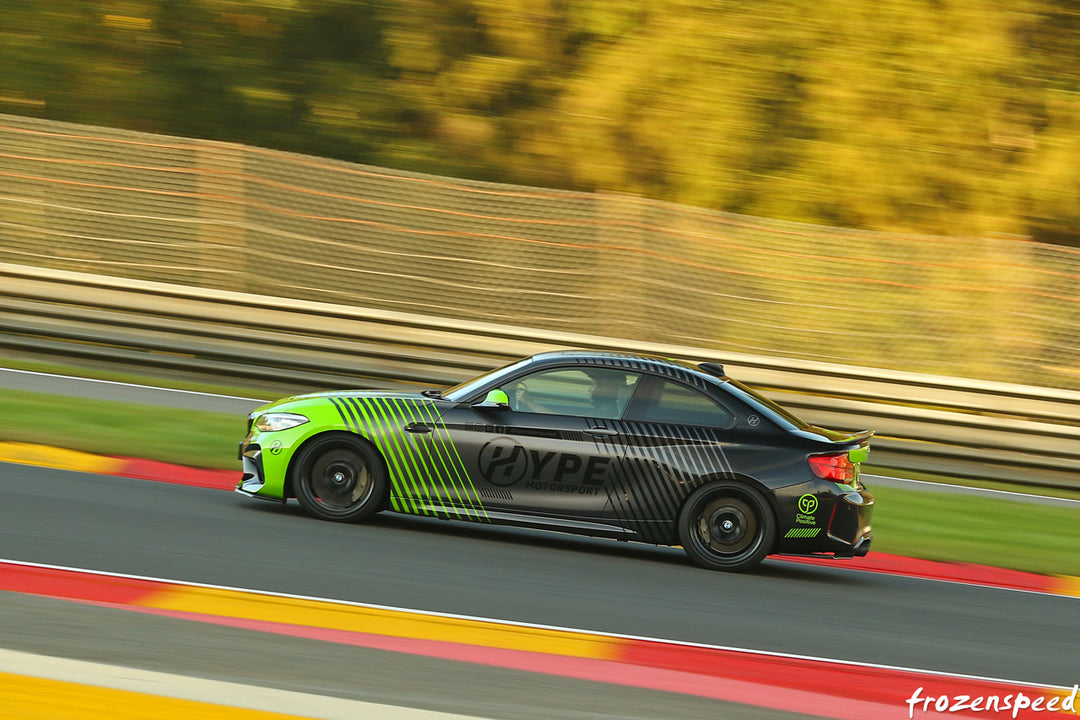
408,459
424,450
406,476
426,472
418,463
859,454
462,482
432,464
436,459
802,532
423,472
390,438
495,398
378,436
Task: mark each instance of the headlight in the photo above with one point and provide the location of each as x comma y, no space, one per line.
272,422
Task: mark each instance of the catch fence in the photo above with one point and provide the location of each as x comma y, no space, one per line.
229,217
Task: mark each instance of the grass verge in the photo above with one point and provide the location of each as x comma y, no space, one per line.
988,531
185,437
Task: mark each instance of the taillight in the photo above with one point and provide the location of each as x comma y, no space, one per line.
837,468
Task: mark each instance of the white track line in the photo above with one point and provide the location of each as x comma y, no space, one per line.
217,692
967,489
132,385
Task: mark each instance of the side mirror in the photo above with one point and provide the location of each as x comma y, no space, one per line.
495,400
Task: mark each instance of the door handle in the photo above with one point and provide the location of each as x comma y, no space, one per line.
602,431
418,428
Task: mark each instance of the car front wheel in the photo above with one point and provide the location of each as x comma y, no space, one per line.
340,478
727,526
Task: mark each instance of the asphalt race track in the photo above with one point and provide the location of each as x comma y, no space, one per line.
181,533
214,537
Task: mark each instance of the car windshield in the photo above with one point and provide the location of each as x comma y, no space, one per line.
467,388
778,414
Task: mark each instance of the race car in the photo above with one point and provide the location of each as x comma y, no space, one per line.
610,444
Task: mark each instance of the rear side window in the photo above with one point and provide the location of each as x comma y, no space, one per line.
677,404
593,392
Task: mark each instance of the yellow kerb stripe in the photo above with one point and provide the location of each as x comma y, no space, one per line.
27,454
394,623
1066,585
31,698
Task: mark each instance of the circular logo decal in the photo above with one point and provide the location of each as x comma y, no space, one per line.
753,420
808,504
275,449
503,461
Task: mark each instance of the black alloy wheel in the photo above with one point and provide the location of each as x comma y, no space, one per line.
340,478
727,526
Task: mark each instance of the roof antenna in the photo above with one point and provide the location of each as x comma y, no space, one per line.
713,368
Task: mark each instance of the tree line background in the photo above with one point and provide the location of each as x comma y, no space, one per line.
951,117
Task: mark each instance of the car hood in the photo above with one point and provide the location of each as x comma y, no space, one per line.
306,399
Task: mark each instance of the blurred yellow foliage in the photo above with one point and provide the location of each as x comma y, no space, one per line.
954,118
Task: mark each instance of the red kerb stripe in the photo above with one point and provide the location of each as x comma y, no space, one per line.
74,585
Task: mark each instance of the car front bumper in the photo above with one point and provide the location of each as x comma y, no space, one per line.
253,479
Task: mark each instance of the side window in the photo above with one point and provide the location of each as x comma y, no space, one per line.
677,404
592,392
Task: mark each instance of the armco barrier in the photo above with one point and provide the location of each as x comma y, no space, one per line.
992,431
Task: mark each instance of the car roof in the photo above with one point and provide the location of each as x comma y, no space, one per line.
625,360
685,372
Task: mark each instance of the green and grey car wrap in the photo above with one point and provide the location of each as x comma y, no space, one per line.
644,470
412,459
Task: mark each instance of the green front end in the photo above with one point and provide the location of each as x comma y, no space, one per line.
266,454
424,468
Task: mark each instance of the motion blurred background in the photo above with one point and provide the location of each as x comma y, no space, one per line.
890,184
822,195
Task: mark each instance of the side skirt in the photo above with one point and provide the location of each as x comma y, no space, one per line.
538,522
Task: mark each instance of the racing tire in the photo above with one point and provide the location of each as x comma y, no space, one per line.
727,526
340,478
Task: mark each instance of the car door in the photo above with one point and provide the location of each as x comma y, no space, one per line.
544,454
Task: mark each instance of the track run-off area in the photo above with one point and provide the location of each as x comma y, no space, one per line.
162,599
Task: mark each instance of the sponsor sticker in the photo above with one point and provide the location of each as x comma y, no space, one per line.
503,461
808,505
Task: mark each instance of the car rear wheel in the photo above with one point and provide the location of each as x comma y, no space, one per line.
340,478
727,526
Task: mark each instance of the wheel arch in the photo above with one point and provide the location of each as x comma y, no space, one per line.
671,525
736,478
